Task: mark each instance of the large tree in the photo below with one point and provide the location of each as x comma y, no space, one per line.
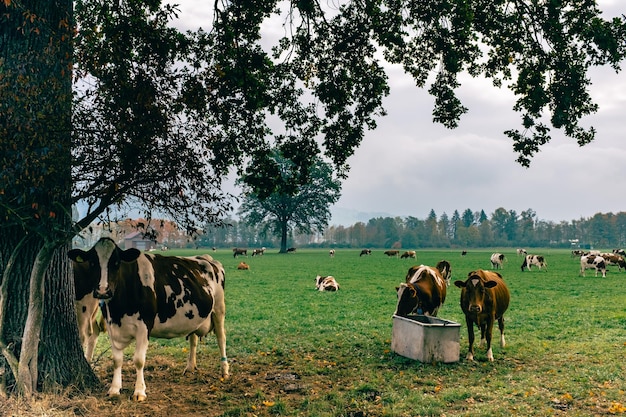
161,117
280,197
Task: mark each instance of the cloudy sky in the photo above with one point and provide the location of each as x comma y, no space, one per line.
409,165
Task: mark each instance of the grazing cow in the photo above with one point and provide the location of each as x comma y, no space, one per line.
328,283
536,260
409,254
243,266
392,253
614,259
423,292
90,324
463,253
239,251
484,299
619,252
497,259
331,253
150,295
577,253
259,252
290,250
596,262
365,252
445,270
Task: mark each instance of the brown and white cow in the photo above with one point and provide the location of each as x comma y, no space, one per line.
150,295
409,254
484,299
537,260
615,260
392,252
497,259
90,323
259,252
445,270
240,251
577,253
365,252
327,283
596,262
423,292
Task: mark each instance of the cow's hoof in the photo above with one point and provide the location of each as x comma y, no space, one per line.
113,393
469,357
139,397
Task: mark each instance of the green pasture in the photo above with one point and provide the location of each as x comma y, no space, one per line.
566,338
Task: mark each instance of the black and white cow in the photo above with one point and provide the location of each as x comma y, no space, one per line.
596,262
327,283
445,269
90,323
497,259
537,260
150,295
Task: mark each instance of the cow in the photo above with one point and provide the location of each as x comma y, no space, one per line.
423,292
90,323
392,253
150,295
409,254
614,259
445,270
331,253
463,253
596,262
259,252
291,250
619,252
537,260
327,283
243,266
577,253
497,259
484,299
240,251
521,251
365,252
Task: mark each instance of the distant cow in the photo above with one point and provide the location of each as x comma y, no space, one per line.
291,250
521,251
596,262
365,252
331,253
463,253
577,253
536,260
409,254
240,251
614,259
445,270
243,266
150,295
497,259
392,252
619,252
328,283
484,299
259,252
423,292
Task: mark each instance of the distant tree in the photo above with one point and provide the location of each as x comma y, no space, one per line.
281,198
468,218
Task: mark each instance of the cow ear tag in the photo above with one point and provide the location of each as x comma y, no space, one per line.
475,282
80,259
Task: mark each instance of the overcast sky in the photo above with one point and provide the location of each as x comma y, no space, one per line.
409,165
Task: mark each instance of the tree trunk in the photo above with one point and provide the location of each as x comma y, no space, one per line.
38,322
283,237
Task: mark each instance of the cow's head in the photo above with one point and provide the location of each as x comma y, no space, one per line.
103,262
474,291
408,299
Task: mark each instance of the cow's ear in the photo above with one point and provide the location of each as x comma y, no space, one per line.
77,255
459,283
490,284
130,255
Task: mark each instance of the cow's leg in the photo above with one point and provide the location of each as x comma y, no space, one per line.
219,329
501,326
139,359
470,337
488,334
191,358
118,357
482,328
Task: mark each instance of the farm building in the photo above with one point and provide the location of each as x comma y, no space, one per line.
137,241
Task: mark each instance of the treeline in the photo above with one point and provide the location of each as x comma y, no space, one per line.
468,229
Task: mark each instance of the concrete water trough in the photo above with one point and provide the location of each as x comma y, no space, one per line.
425,338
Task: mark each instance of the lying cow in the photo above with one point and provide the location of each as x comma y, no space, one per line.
328,283
484,299
240,251
497,259
423,292
392,253
365,252
596,262
243,266
409,254
536,260
521,251
149,295
445,270
615,260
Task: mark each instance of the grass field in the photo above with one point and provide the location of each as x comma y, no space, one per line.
295,351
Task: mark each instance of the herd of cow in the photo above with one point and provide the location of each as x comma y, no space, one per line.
143,295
